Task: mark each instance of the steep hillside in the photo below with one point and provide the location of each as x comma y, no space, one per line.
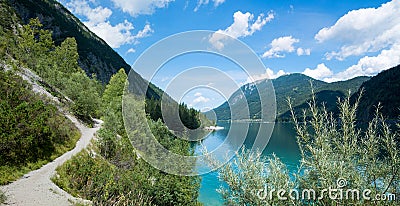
384,89
32,132
297,87
95,56
326,98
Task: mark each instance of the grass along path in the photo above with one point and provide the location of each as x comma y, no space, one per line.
36,188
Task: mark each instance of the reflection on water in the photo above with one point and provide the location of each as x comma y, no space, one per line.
282,143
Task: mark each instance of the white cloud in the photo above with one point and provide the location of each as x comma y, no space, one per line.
199,99
206,109
279,45
368,66
218,2
291,9
96,15
301,52
164,79
145,32
136,7
97,22
321,72
205,2
364,30
131,50
284,45
269,74
243,25
273,75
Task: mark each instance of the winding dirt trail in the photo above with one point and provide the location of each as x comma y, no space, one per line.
36,188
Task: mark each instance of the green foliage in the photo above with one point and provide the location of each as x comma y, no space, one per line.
153,108
3,197
249,173
92,177
34,48
95,56
325,98
189,117
83,91
331,150
31,130
367,160
114,89
116,174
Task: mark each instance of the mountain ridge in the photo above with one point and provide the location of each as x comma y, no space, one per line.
297,86
381,90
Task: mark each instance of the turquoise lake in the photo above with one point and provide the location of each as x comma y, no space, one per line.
282,142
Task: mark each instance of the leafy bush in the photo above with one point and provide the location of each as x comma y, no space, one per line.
335,155
31,130
33,47
116,175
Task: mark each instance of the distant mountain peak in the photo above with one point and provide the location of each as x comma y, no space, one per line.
295,85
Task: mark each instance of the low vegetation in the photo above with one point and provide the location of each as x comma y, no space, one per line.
336,156
32,131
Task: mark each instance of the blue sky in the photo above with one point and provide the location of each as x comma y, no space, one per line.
327,40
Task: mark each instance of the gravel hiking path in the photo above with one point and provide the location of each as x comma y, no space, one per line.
36,188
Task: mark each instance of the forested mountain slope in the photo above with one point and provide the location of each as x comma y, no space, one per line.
383,89
297,87
95,56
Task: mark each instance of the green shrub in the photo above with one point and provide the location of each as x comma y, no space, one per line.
3,197
332,151
32,131
92,177
32,47
116,175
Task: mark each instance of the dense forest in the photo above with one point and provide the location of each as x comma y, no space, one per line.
382,91
379,91
34,48
188,116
